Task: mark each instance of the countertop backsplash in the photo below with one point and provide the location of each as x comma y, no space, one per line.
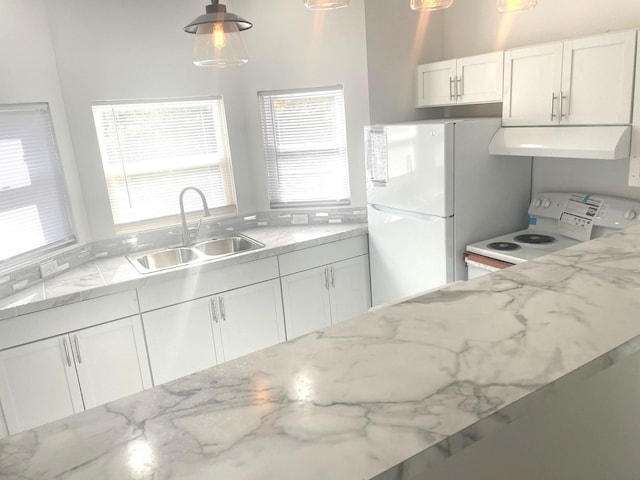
18,279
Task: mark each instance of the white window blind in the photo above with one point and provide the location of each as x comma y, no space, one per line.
34,212
152,150
305,146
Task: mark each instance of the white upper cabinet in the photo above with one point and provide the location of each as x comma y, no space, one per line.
476,79
587,81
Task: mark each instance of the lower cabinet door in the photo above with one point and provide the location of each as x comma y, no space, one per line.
180,339
306,301
250,319
38,384
111,360
350,288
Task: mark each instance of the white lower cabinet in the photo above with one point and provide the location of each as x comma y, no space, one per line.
50,379
201,333
326,295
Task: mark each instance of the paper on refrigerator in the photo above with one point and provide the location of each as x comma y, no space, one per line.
377,156
576,220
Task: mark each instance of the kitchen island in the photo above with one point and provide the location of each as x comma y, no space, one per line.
384,395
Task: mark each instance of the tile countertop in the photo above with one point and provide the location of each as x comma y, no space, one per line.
115,274
380,396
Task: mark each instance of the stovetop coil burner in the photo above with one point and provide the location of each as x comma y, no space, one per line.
503,246
534,238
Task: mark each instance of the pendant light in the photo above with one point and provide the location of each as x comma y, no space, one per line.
430,4
508,6
218,42
325,4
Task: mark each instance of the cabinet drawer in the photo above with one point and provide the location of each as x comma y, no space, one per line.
75,316
195,283
308,258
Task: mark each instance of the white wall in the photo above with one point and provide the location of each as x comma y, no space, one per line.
398,39
292,47
120,50
133,50
474,26
29,74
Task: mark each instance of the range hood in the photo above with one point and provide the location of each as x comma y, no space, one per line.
611,142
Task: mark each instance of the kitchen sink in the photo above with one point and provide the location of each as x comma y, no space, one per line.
227,245
208,250
171,257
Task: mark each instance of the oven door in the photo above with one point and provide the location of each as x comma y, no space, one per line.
479,265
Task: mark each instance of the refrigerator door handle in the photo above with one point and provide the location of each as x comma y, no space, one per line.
405,213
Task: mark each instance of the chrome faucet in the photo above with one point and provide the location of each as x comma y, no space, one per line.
186,238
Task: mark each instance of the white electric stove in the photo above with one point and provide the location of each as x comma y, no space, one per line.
544,233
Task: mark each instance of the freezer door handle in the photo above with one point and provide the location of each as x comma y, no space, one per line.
405,213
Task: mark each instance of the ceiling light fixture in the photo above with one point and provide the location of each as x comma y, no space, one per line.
325,4
218,42
430,4
508,6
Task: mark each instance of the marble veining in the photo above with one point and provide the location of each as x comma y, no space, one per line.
104,276
381,396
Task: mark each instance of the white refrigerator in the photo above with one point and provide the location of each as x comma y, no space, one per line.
433,188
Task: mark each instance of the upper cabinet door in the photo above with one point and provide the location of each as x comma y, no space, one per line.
597,79
532,83
479,78
436,83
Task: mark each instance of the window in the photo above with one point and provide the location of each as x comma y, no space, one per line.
305,145
34,212
152,150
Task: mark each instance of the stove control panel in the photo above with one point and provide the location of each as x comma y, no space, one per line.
616,212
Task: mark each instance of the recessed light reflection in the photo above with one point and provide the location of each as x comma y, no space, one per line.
141,459
303,388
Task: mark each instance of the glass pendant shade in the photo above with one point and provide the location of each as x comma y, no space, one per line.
219,45
325,4
218,41
430,4
508,6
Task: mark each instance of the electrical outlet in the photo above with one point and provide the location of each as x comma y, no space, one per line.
634,171
48,268
299,219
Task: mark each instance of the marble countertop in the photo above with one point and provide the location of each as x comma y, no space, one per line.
385,395
116,274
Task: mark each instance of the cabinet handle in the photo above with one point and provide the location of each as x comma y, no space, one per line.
459,91
326,278
563,97
451,80
75,340
212,305
66,351
554,97
223,314
333,278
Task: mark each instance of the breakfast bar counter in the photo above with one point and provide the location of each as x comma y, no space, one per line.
385,395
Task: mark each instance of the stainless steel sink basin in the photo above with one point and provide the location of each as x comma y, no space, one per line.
171,257
207,250
227,245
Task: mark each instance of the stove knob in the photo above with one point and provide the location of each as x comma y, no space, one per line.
546,203
537,202
630,214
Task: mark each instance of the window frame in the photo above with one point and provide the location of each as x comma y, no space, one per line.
276,154
223,165
32,194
